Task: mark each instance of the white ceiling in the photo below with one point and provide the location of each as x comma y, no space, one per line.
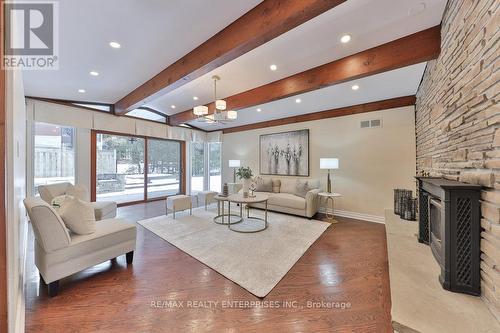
396,83
152,33
155,33
316,42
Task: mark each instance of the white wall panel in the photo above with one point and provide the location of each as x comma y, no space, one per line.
62,115
148,128
107,122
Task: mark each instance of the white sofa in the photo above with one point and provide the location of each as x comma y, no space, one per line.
102,209
60,253
285,197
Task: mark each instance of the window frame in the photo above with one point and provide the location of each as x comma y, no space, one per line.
93,165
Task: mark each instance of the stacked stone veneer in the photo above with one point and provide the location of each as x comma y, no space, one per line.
458,119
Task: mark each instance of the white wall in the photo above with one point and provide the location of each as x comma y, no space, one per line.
16,190
373,161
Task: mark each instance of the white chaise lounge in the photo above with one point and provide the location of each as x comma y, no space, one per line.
60,253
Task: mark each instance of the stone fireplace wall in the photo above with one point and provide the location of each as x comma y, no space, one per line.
458,119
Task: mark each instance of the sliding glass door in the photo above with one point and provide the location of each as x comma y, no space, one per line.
119,168
197,167
206,166
135,169
164,168
214,166
53,154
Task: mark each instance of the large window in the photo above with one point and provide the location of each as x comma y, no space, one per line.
119,168
214,166
164,168
54,154
132,168
197,167
148,115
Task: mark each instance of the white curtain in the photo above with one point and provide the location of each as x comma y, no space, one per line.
52,113
57,114
148,128
214,136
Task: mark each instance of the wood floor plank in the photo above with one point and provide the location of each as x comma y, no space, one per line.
348,263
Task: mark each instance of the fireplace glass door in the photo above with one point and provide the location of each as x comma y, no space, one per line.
436,229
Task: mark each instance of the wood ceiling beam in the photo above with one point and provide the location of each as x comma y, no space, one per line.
340,112
413,49
264,22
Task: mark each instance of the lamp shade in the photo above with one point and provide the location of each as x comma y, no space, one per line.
234,163
328,163
200,110
220,104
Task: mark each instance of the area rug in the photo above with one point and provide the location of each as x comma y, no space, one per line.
257,261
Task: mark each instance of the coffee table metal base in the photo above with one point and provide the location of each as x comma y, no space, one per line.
250,218
225,218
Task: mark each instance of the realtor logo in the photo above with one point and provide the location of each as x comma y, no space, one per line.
31,35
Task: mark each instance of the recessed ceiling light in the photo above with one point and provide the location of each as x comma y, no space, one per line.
172,106
273,67
298,100
115,45
81,91
94,73
259,110
355,87
195,98
345,38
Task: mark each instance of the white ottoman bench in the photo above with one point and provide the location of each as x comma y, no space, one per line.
179,202
206,198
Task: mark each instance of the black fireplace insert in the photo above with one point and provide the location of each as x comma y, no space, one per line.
449,222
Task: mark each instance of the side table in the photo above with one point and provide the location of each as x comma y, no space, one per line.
330,205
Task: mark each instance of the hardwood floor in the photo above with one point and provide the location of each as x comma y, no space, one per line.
348,263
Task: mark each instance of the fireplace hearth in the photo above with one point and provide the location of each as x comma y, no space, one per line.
449,222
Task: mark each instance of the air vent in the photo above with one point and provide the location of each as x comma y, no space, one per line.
365,124
373,123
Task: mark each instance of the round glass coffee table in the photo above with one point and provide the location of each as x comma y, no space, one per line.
239,199
223,217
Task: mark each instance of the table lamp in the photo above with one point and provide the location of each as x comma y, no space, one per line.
234,164
329,164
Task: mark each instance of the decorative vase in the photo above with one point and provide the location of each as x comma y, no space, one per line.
246,186
225,190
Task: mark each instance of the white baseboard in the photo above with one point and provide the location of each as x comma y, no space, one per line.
357,216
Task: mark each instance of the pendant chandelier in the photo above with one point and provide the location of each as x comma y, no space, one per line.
220,115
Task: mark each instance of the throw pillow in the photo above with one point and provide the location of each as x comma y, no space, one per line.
276,185
263,184
78,191
59,201
78,216
288,186
301,188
